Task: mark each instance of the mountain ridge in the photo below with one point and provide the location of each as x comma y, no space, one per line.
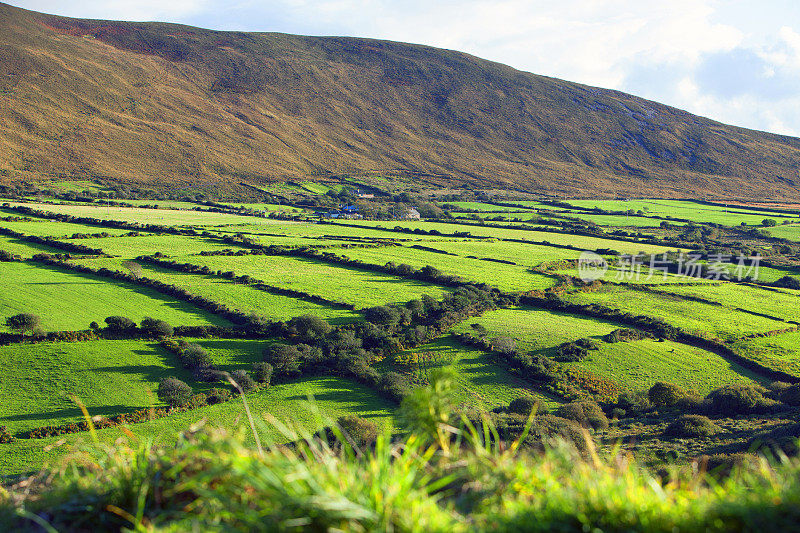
166,105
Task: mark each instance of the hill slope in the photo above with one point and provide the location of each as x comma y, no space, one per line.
174,105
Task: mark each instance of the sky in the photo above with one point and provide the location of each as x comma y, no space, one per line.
736,61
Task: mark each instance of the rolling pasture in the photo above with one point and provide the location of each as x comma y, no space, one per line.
117,376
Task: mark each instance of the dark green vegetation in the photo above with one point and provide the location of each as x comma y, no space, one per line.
167,106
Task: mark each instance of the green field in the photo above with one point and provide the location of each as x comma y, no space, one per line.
480,206
586,243
312,229
51,228
697,212
22,248
789,231
481,382
289,403
167,217
781,352
234,295
70,301
777,303
505,277
266,207
169,245
351,285
695,317
633,365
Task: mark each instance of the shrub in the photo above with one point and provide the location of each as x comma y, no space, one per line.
120,325
284,358
362,431
23,322
626,335
665,394
383,315
734,400
505,345
262,372
5,435
393,385
174,392
547,429
586,413
156,328
6,256
524,405
570,352
244,380
195,357
217,395
690,426
634,402
310,327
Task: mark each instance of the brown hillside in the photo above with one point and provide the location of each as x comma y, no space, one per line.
170,105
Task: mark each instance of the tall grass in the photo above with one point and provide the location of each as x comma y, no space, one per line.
445,474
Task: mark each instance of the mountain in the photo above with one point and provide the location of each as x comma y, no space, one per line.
166,105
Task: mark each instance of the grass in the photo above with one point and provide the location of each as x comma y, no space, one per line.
287,402
51,228
693,211
351,285
480,383
170,245
633,365
266,207
237,296
699,318
790,232
167,217
312,229
503,276
69,301
587,243
480,206
109,377
777,303
22,248
780,352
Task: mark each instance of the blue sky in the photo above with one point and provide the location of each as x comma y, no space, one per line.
737,61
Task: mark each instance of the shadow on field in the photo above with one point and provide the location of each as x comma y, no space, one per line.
105,410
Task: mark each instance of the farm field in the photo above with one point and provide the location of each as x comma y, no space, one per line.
634,365
167,217
480,206
480,381
789,231
70,301
169,245
781,352
699,318
22,248
236,296
780,303
351,285
313,229
265,207
50,228
505,277
696,212
307,405
587,243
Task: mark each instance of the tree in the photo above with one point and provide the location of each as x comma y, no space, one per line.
195,357
310,327
174,392
23,322
263,373
769,223
382,314
284,358
6,256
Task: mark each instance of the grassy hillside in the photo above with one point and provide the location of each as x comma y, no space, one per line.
187,109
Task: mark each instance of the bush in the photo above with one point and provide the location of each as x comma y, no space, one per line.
244,380
362,431
156,328
217,395
586,413
262,372
284,358
634,402
665,394
547,429
571,352
790,395
6,256
505,345
310,327
195,357
690,426
174,392
393,386
383,315
120,325
735,400
524,405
